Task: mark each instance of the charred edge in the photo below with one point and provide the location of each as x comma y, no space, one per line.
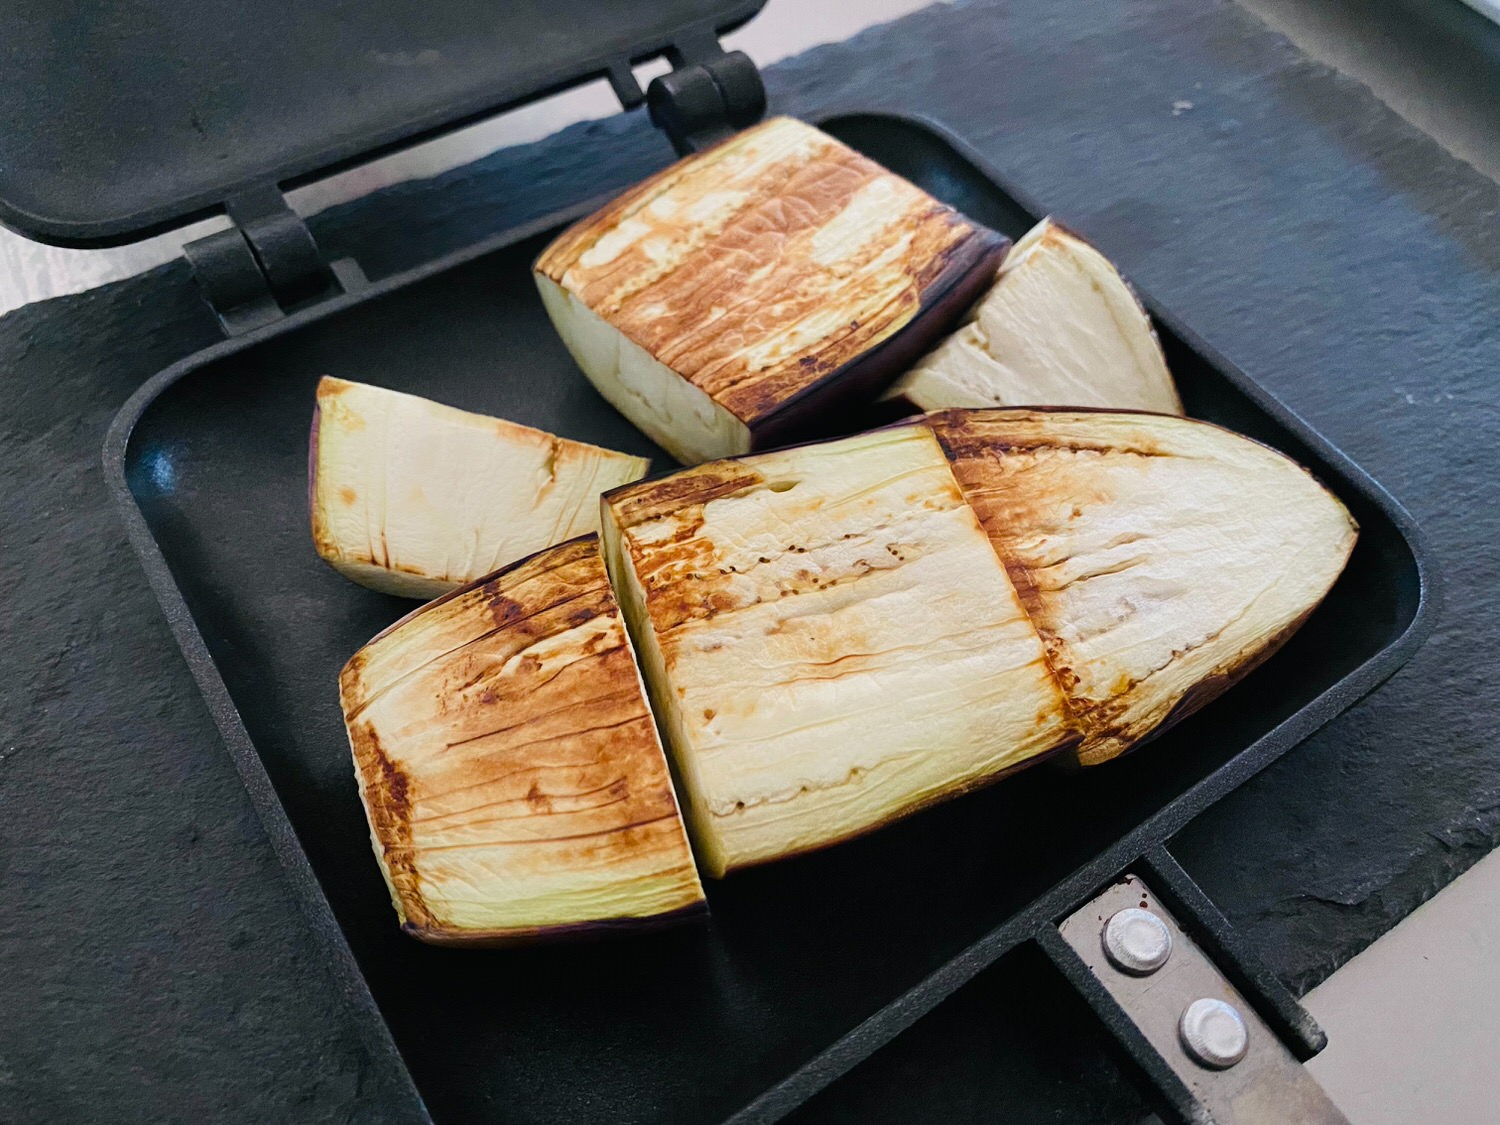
580,932
973,785
643,501
973,434
542,562
557,615
388,800
957,429
1199,695
1064,679
961,273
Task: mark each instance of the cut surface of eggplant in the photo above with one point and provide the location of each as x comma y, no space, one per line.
737,298
1060,326
414,498
829,640
509,763
1160,558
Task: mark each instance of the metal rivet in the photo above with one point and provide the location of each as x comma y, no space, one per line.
1214,1033
1137,941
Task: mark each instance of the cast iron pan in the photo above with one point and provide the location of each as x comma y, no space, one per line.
806,967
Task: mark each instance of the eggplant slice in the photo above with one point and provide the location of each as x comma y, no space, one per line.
413,498
831,637
1160,558
747,294
1059,327
829,640
510,766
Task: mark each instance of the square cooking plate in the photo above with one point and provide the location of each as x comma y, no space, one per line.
753,1012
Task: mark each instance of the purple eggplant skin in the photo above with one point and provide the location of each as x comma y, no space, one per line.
312,457
838,404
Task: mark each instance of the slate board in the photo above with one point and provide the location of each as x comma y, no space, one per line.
156,966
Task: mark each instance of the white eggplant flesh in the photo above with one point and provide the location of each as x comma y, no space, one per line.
829,640
754,292
414,498
510,766
1161,559
1060,327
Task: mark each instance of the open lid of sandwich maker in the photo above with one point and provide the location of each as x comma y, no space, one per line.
127,117
124,118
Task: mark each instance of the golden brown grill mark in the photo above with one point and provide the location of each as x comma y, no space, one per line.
987,450
738,302
774,222
992,434
614,280
510,716
388,794
755,257
1029,476
650,500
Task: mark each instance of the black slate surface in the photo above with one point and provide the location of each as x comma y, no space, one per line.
156,967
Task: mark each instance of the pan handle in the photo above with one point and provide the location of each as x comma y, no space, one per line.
1210,1031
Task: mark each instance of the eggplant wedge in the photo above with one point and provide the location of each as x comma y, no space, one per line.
510,766
1060,327
748,294
829,641
1161,559
413,498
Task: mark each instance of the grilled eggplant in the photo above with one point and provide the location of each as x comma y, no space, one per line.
829,641
1060,327
1160,559
413,498
747,294
830,636
509,763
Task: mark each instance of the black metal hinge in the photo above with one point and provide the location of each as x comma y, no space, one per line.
268,263
265,265
709,95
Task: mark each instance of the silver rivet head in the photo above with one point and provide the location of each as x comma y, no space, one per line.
1137,941
1214,1033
